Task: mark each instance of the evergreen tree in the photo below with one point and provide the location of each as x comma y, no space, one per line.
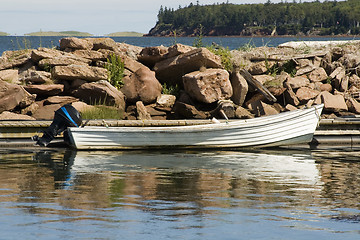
328,17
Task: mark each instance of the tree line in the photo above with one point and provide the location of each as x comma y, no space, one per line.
285,18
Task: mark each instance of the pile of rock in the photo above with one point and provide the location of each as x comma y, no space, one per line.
326,75
35,83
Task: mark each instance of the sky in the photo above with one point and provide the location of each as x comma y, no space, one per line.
98,17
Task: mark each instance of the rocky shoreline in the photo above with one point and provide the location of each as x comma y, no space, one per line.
36,82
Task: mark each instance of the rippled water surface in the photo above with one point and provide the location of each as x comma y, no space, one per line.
273,194
28,42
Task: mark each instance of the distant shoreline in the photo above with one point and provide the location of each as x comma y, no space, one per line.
137,34
73,34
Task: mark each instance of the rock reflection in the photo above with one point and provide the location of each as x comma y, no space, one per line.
340,176
72,183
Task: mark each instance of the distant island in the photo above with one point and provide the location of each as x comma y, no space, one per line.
269,19
62,33
125,34
77,34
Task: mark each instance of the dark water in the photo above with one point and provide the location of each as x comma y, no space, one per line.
62,194
21,42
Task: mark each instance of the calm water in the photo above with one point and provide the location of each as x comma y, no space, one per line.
62,194
21,42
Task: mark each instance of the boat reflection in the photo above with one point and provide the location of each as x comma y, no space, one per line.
178,184
282,166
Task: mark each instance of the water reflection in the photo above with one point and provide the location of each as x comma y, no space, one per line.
307,191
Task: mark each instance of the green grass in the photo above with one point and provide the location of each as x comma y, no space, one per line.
4,34
247,47
102,112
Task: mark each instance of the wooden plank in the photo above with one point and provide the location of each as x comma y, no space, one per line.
256,84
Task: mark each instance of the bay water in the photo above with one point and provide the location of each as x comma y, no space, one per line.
272,194
28,42
254,194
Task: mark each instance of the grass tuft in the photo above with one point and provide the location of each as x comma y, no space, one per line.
102,112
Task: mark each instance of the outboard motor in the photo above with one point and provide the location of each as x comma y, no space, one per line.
66,116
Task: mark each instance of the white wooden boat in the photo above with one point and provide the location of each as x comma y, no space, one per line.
287,128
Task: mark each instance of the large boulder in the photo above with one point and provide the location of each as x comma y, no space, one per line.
258,68
350,60
298,82
90,54
304,94
354,80
6,115
129,63
151,55
303,65
333,103
10,75
243,113
318,75
183,110
41,53
102,43
75,43
82,107
30,110
45,89
165,102
156,113
128,50
12,59
263,78
73,72
290,96
11,95
260,108
132,65
142,85
141,111
101,92
178,49
208,86
172,69
45,112
35,77
326,87
353,105
60,100
338,76
240,88
63,61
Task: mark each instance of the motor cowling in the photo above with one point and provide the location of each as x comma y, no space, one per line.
64,117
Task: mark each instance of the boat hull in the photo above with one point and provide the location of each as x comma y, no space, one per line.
288,128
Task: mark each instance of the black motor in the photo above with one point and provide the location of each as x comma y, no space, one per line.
66,116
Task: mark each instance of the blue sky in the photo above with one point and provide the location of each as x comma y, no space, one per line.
99,17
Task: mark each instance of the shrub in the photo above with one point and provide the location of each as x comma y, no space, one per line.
171,90
225,56
115,67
